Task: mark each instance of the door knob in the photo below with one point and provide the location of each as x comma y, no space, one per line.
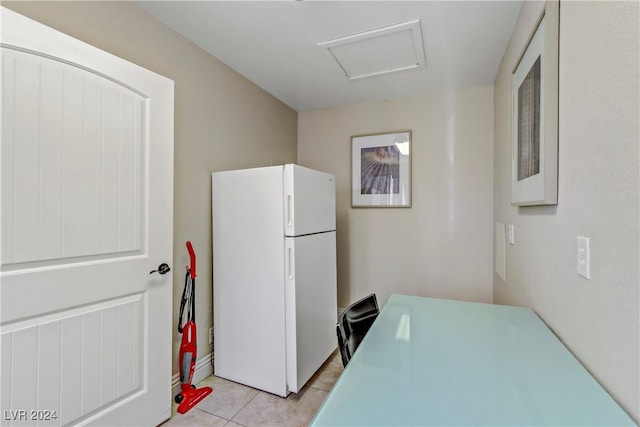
162,269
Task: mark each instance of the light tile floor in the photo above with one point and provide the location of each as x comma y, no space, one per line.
232,404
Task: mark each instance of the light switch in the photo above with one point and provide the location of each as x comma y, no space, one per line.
584,257
501,249
512,234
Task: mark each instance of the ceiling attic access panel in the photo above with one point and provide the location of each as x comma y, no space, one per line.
381,51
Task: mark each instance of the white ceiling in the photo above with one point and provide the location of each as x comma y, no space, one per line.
275,44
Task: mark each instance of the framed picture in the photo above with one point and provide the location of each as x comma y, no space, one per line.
381,170
534,166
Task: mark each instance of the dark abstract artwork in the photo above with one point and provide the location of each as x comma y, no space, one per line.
529,123
380,170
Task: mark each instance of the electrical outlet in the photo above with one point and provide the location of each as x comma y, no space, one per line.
210,335
584,257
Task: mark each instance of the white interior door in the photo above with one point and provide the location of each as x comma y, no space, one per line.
86,204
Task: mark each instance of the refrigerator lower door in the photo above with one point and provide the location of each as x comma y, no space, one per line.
311,305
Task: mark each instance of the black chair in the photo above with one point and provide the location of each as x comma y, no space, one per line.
353,325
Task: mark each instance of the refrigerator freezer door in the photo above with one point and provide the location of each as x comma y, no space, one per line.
311,305
248,290
309,201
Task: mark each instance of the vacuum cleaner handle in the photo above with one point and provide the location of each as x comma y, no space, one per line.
192,255
186,295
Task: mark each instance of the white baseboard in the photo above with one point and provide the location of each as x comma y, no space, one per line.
202,371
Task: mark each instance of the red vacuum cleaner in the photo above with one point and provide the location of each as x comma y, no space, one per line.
189,395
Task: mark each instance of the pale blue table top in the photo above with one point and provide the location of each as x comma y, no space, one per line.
435,362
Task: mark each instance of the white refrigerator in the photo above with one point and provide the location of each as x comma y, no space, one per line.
274,275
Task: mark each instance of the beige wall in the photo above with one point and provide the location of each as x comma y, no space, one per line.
598,195
441,247
222,121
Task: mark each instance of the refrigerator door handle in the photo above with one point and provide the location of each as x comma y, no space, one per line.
290,264
289,210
